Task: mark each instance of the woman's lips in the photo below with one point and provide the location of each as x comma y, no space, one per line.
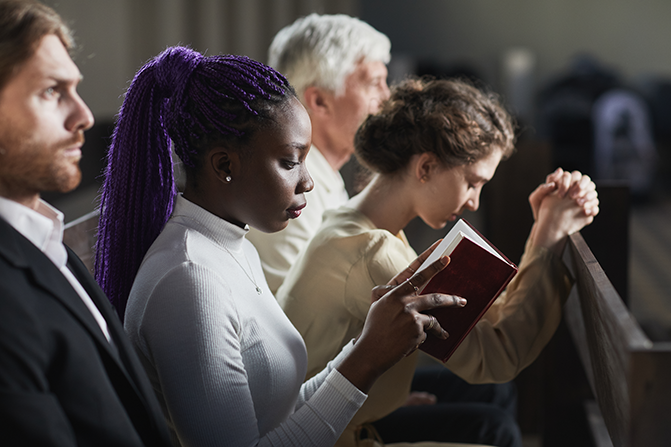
295,211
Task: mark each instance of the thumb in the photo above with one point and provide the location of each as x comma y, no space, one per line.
536,197
554,176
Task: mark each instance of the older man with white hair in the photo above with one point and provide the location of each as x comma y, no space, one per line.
337,64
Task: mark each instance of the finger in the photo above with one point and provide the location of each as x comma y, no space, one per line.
579,186
575,177
592,203
563,184
592,211
588,199
542,190
424,256
414,265
380,291
591,199
587,186
433,300
419,279
536,197
433,327
554,176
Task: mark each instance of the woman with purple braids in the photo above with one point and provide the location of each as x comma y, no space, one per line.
224,360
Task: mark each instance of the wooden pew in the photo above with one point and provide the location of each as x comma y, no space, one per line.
629,375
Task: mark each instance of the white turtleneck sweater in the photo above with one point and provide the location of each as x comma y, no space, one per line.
225,362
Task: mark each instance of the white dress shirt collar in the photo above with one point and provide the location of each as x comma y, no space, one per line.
44,228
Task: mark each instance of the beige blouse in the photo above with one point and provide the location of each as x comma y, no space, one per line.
326,295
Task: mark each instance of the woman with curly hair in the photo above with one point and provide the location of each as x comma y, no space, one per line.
433,146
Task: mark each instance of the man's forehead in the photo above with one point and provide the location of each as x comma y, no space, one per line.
366,71
51,60
371,68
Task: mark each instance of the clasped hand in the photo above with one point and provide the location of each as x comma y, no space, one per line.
563,205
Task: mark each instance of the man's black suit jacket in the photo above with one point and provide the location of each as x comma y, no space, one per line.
61,382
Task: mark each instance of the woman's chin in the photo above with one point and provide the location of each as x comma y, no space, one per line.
436,225
270,227
277,226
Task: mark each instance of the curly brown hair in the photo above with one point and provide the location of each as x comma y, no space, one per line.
457,122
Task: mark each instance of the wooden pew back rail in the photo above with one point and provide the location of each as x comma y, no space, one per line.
629,375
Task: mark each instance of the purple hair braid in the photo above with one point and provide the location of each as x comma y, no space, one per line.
138,190
189,99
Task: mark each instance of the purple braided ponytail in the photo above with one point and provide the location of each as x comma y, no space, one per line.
194,101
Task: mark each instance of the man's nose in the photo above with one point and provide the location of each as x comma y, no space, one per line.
80,117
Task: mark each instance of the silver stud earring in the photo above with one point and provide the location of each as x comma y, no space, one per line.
228,178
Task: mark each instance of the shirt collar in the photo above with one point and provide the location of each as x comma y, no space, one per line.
322,172
43,227
219,230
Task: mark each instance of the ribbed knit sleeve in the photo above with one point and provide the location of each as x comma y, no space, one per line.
227,365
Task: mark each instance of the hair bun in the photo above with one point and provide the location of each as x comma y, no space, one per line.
452,119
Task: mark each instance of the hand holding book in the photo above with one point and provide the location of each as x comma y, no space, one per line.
391,330
477,272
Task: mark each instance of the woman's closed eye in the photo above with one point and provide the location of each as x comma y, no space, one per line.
288,164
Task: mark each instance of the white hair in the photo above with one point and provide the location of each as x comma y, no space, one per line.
322,50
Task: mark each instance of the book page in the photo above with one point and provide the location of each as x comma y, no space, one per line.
475,237
452,239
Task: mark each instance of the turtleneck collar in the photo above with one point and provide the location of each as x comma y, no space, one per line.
214,227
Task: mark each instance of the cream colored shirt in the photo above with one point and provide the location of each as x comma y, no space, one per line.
326,295
278,251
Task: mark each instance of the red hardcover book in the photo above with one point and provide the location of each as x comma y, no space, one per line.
477,271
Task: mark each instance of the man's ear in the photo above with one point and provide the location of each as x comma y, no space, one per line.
224,163
317,101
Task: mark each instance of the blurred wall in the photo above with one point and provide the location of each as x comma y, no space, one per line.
631,36
115,37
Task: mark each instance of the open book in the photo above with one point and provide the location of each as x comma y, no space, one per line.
477,271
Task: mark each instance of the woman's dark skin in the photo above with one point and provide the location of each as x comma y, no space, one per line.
263,184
